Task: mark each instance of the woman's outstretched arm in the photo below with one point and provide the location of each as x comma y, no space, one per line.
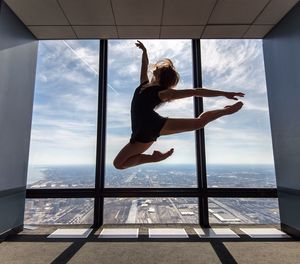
202,92
145,62
173,94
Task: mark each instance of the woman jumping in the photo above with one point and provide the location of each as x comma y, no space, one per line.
147,125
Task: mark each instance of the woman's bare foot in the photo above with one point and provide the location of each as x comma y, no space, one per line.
231,109
158,156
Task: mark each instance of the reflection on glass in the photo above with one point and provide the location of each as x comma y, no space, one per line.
59,211
150,210
238,147
243,211
63,135
124,63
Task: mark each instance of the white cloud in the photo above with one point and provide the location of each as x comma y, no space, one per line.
77,102
255,107
61,146
88,55
125,57
233,64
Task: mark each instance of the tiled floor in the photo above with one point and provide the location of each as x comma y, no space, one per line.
33,246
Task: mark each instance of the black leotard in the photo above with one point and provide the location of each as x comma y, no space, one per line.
145,122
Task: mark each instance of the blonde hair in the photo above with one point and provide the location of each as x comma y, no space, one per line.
168,76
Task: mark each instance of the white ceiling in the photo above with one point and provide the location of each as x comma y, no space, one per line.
126,19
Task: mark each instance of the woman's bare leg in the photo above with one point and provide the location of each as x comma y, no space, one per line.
144,158
131,155
179,125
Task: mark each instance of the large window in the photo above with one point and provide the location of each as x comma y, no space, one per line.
81,121
179,170
124,64
63,137
238,147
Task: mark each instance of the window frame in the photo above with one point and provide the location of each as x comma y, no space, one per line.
99,192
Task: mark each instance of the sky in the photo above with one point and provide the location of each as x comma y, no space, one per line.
66,95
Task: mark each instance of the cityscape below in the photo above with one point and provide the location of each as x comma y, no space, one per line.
152,210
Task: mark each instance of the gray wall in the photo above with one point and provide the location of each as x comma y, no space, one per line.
282,64
18,55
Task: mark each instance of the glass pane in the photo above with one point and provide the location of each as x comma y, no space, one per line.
241,175
150,210
59,211
238,147
63,135
243,210
152,176
63,176
124,63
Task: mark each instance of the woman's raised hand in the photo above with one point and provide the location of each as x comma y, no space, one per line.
231,95
140,45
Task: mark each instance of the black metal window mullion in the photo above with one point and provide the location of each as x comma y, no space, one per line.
199,137
152,192
101,133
